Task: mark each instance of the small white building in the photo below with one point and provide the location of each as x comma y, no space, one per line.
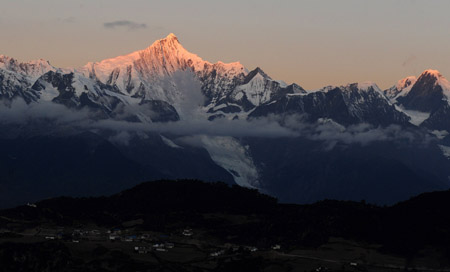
142,249
217,253
113,237
252,249
169,245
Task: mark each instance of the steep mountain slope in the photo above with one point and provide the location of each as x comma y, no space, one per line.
425,99
401,89
149,73
351,104
32,69
16,77
430,92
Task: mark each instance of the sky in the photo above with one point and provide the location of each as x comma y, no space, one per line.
313,43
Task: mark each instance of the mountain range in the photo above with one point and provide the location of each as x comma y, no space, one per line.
164,112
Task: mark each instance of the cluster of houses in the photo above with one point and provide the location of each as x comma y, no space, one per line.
162,247
115,235
78,235
52,234
31,205
217,253
234,249
153,244
188,232
230,248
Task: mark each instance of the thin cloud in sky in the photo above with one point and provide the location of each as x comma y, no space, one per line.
130,25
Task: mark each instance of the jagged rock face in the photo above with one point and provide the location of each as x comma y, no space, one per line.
256,89
425,99
216,83
62,83
439,119
149,73
13,85
102,100
16,78
402,87
345,105
32,69
427,95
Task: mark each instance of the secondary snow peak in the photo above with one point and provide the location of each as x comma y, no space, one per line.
431,72
431,75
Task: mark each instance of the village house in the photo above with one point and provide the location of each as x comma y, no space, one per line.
188,232
142,249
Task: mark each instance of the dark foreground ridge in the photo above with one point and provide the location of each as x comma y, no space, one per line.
189,225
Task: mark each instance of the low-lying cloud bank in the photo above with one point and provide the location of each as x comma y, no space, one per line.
333,133
18,112
234,128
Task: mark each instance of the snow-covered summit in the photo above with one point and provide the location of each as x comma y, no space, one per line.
163,57
406,82
440,80
33,69
368,85
364,86
400,89
428,79
149,73
428,93
431,72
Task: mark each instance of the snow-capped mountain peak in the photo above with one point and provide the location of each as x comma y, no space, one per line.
428,93
406,82
170,40
400,89
170,37
152,73
431,72
368,85
162,58
434,79
33,69
439,80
